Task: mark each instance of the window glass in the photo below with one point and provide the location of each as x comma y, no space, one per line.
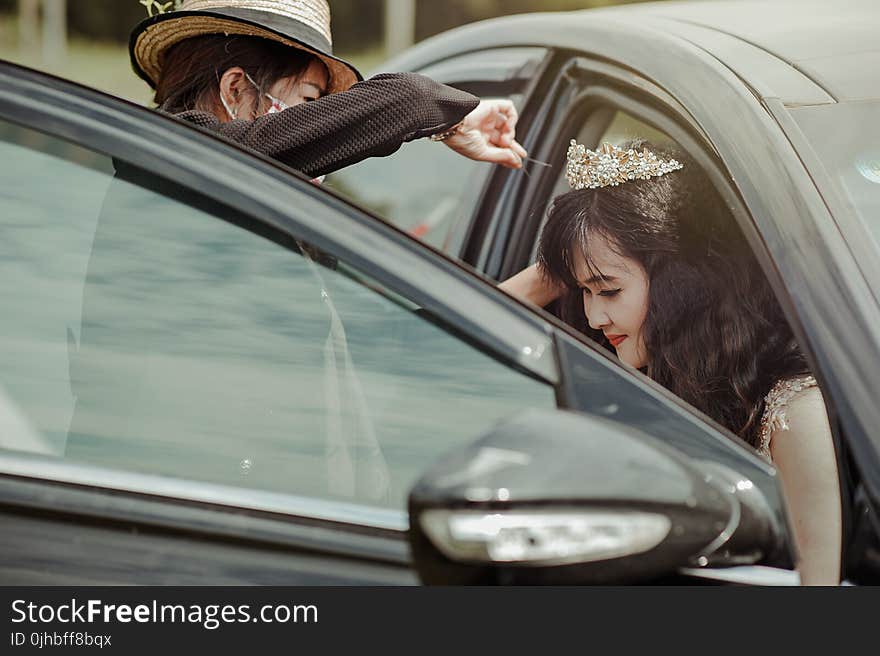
418,189
625,127
143,334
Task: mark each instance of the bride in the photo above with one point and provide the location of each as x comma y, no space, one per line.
643,256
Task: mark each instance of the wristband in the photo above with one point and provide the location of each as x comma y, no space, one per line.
443,136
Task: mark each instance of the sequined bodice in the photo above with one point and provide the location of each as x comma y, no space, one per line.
776,403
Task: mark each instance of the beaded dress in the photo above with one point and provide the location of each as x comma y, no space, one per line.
776,402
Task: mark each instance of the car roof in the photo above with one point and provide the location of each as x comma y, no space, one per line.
804,52
835,44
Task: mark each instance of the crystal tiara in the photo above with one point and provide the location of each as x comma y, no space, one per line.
610,166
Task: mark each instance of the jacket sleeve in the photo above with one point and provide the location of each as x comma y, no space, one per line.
373,118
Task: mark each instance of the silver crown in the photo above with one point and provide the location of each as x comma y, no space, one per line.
610,166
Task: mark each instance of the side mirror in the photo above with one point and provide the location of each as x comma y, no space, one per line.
563,498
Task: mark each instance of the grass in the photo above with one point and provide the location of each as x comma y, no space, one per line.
103,66
106,66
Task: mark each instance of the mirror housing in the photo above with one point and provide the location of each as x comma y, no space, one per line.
563,498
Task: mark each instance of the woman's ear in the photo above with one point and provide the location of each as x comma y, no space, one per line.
233,87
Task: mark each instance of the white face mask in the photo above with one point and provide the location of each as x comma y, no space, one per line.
277,105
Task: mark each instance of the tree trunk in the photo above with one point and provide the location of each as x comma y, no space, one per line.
400,25
28,26
54,32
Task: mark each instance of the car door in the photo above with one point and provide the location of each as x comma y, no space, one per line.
214,372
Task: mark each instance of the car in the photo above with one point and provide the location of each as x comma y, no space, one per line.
777,100
216,372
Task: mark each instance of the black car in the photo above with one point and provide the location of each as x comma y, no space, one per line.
213,371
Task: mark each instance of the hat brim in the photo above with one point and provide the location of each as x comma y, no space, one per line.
152,38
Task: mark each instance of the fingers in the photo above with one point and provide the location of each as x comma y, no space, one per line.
496,120
505,122
491,135
503,156
508,110
518,149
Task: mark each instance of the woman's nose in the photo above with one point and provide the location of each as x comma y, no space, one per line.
598,322
596,316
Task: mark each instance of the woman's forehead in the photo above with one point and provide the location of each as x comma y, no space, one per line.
599,257
316,72
314,77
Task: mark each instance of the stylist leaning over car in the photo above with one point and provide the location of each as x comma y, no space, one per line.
262,74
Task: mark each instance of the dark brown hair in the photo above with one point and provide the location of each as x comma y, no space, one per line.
714,331
191,69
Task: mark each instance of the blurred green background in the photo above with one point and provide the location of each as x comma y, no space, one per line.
86,40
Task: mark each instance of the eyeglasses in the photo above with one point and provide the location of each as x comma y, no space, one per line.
278,105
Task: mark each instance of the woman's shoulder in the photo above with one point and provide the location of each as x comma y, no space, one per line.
198,117
787,398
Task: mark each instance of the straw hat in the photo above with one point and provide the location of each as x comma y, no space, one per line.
303,24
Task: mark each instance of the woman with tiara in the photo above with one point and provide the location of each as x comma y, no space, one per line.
643,257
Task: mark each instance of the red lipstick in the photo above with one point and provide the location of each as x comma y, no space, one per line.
616,340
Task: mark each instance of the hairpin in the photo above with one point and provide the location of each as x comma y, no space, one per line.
610,166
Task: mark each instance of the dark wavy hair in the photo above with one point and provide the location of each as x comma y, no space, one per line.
714,331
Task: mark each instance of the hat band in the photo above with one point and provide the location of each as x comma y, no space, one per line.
315,14
281,24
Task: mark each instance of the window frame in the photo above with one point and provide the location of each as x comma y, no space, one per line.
590,86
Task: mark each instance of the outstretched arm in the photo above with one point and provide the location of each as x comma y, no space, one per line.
373,118
533,286
805,458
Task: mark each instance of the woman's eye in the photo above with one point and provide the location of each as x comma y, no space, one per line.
601,292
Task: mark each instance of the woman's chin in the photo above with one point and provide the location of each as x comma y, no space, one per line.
630,361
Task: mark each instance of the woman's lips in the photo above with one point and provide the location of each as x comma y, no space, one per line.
615,340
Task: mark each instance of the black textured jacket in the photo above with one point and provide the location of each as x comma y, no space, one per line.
373,118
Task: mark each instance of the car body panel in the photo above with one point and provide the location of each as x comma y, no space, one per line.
44,548
790,51
767,75
835,44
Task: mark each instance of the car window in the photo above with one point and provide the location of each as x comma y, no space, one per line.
422,187
148,331
419,188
